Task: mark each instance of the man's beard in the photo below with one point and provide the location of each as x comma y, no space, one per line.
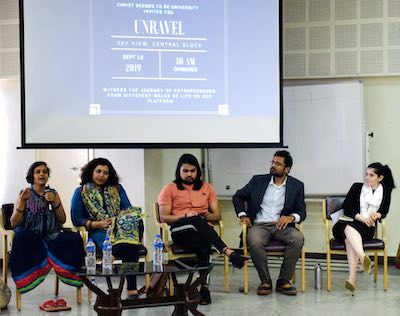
188,180
276,174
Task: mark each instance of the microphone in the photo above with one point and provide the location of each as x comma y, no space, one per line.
48,190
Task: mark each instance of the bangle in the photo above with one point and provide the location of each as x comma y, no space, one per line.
57,207
20,211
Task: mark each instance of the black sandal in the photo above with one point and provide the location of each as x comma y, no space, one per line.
237,260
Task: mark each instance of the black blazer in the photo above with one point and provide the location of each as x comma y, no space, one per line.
249,198
351,205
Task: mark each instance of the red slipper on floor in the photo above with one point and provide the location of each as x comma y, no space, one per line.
62,305
49,306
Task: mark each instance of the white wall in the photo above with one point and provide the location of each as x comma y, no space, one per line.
14,162
382,117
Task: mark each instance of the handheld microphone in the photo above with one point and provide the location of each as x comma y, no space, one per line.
47,190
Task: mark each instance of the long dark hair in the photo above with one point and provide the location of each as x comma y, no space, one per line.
191,160
384,170
88,169
31,170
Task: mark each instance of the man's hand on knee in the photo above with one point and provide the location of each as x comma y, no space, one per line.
283,221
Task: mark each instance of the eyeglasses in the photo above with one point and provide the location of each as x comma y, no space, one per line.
276,163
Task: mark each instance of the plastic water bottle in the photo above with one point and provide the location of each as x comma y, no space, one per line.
91,257
107,256
158,247
317,276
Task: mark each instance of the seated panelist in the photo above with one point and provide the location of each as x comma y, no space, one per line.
101,205
39,241
365,203
189,205
270,205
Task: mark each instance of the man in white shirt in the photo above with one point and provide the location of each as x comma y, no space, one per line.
270,205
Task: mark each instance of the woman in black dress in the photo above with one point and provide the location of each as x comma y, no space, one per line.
365,203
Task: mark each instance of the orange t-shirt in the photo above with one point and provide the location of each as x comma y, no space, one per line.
187,200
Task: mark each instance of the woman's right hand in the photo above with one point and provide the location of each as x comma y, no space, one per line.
369,221
104,224
25,194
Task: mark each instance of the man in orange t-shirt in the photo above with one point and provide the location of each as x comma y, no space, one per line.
189,205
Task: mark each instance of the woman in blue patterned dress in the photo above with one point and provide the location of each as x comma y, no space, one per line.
97,204
39,241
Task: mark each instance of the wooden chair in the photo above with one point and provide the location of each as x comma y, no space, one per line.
7,234
142,254
274,248
333,204
176,251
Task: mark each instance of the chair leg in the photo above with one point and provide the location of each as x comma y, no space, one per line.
385,270
79,295
328,270
5,259
375,267
246,278
226,274
171,285
303,270
18,299
89,295
57,286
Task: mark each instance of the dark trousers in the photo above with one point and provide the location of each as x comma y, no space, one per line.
196,233
127,253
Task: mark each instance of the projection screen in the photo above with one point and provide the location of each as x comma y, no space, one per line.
151,73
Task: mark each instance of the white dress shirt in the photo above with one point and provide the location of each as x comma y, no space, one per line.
272,204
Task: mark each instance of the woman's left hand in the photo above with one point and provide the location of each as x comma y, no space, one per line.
50,196
376,216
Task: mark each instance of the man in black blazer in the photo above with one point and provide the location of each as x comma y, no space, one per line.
270,205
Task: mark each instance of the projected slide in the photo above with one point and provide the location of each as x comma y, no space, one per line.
150,73
159,58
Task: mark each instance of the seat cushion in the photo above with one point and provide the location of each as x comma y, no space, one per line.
142,251
275,246
372,244
181,249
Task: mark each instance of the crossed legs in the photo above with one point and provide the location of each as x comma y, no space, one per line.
355,251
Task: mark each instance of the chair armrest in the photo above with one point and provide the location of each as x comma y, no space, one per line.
3,230
220,226
244,239
383,224
164,232
300,227
83,232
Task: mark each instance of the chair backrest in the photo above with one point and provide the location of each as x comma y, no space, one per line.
162,227
156,209
333,204
6,212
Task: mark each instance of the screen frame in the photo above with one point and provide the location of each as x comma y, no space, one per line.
26,145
